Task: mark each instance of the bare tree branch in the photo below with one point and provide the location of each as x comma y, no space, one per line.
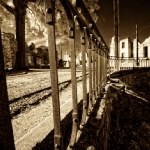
9,8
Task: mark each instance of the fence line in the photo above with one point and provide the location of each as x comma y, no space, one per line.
94,45
127,63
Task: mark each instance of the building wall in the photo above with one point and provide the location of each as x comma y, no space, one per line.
9,49
126,48
146,43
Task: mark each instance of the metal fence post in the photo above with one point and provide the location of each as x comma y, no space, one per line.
83,49
90,71
94,68
96,84
50,21
75,123
99,70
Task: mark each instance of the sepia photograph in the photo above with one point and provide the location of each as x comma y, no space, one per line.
74,74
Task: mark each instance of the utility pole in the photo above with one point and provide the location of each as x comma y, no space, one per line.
116,26
116,32
137,61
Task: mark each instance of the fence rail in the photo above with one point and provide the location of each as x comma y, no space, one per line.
117,64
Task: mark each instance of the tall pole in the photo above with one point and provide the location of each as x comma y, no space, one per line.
116,32
137,62
116,26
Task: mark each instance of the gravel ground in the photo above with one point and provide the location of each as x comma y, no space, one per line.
22,84
27,103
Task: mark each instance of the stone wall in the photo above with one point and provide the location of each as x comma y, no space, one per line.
137,79
9,49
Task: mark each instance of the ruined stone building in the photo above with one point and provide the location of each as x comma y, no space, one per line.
9,49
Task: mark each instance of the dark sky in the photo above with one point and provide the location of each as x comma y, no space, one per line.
132,12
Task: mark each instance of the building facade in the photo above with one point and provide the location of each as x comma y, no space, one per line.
9,49
145,48
126,48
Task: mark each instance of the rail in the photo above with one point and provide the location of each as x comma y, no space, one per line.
118,64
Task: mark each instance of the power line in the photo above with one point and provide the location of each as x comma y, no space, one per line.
140,28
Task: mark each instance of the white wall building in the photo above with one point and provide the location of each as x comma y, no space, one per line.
126,48
145,48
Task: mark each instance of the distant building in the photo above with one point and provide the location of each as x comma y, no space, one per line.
128,53
9,49
145,48
126,48
38,56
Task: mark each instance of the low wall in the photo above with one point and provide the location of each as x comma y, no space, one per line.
135,77
129,116
10,48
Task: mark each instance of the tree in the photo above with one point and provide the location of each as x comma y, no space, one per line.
19,11
61,18
38,21
92,6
